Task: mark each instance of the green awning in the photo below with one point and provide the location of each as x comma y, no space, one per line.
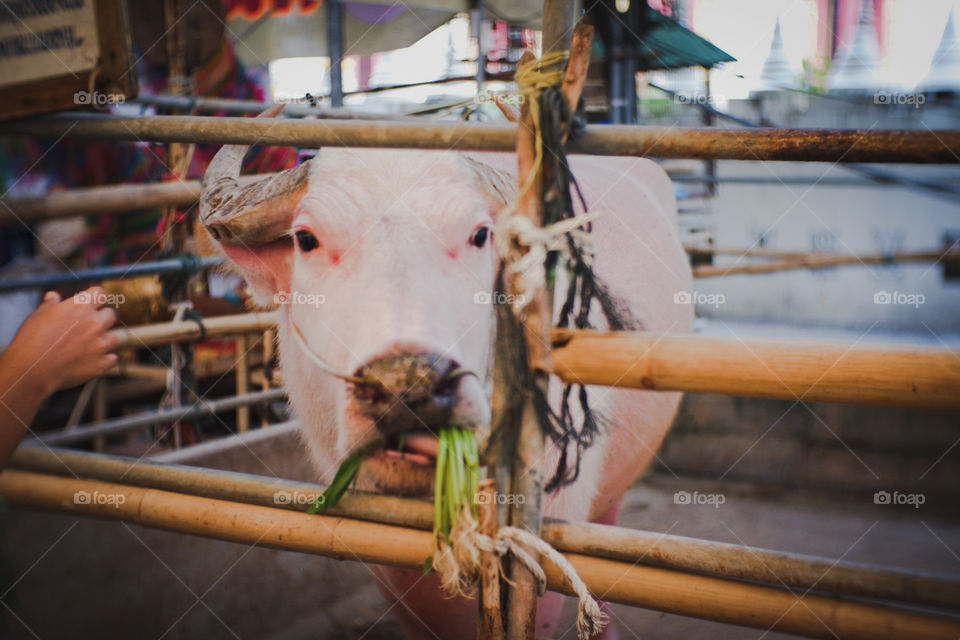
669,45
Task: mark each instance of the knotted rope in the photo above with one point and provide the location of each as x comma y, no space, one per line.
458,564
172,397
526,246
523,245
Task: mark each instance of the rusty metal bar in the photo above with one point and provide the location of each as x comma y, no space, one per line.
811,145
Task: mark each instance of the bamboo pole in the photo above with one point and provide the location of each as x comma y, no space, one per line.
810,145
559,18
490,626
100,410
886,375
823,261
343,538
615,543
166,332
242,372
526,463
817,371
106,199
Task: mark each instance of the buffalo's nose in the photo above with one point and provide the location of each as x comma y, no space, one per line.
408,391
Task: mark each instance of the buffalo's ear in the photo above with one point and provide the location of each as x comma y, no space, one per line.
493,177
267,268
251,221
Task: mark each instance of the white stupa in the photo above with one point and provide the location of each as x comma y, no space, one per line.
944,74
856,68
777,73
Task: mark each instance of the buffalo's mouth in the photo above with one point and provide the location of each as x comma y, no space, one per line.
408,396
405,466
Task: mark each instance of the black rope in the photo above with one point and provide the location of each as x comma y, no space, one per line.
558,121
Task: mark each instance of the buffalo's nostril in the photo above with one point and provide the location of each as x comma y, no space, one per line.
407,390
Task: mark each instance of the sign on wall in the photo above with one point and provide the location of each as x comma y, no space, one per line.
60,54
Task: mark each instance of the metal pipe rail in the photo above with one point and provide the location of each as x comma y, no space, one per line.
46,281
875,174
231,105
814,371
667,551
105,199
811,145
687,594
108,427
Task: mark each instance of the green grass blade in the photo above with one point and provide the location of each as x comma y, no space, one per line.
345,475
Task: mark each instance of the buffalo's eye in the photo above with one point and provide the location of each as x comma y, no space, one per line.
306,240
480,236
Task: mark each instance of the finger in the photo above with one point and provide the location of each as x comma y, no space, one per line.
51,297
107,362
104,318
94,296
109,341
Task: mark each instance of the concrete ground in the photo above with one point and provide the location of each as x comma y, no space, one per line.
64,577
848,526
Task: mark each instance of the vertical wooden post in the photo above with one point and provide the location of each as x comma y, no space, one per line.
100,411
269,342
527,480
243,383
491,617
335,51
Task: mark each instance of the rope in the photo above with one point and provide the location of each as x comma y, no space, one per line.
314,356
531,80
458,564
525,247
172,397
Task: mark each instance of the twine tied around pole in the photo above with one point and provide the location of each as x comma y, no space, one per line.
458,563
526,245
523,245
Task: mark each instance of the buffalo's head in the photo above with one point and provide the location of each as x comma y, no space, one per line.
382,265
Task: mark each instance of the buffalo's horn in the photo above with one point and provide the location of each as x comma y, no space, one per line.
254,213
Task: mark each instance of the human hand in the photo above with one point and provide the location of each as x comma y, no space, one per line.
64,342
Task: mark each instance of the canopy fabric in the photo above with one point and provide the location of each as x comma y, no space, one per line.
669,45
264,30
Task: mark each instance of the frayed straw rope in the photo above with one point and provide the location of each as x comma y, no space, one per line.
458,563
524,245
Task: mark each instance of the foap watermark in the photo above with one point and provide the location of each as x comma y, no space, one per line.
897,498
512,99
497,297
699,297
898,297
687,498
97,99
298,297
101,298
501,498
916,100
698,98
297,498
97,497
